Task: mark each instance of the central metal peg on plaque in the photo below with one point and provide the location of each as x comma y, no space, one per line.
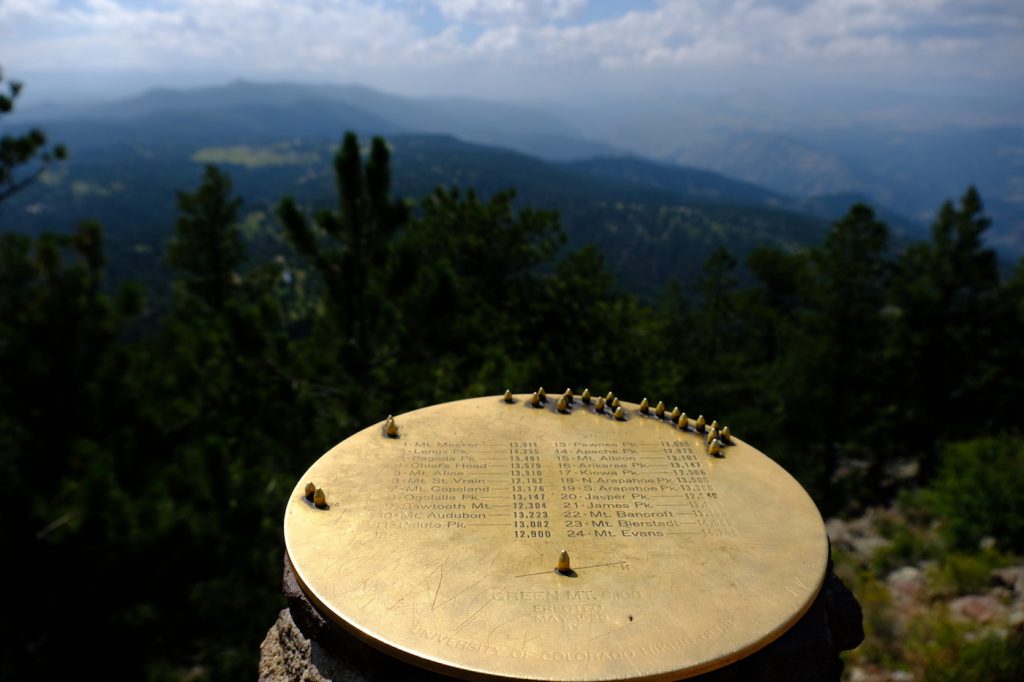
439,542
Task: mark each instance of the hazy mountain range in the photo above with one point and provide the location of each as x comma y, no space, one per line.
653,217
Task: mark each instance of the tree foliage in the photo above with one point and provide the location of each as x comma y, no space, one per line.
207,247
147,464
17,151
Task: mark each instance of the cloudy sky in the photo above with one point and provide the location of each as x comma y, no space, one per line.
541,49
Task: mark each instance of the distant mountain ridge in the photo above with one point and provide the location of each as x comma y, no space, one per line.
249,111
815,166
910,171
371,111
699,185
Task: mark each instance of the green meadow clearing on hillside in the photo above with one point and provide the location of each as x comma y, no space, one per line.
251,156
81,188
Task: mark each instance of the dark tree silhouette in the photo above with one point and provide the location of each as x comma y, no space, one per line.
22,150
207,245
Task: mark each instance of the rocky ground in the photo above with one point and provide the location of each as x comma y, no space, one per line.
928,612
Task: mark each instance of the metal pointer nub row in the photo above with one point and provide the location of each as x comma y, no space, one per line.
717,437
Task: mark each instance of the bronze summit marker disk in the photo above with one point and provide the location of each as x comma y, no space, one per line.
441,541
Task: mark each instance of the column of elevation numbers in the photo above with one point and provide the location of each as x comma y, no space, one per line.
529,497
696,489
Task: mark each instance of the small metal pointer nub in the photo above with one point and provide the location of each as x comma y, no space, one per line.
645,407
563,566
659,410
310,491
585,396
508,396
563,405
390,427
320,499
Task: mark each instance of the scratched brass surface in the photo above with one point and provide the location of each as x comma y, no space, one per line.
439,546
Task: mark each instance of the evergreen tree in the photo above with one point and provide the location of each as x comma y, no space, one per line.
349,249
713,355
466,286
207,245
946,313
815,354
849,328
61,409
212,384
22,150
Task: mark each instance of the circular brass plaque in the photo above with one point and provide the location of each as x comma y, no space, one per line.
440,546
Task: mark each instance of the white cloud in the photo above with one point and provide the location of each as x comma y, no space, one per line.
271,35
491,12
343,38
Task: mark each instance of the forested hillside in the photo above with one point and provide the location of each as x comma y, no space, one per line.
653,222
650,233
147,455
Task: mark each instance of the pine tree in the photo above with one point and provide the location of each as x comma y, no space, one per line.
349,248
22,150
207,245
847,319
945,295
